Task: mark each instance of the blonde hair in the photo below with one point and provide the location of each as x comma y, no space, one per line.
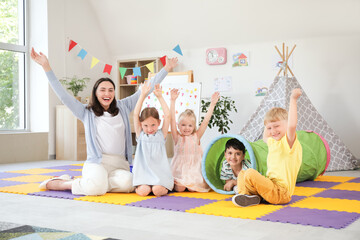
149,112
275,114
188,113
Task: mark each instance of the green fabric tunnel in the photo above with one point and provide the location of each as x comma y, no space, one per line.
316,157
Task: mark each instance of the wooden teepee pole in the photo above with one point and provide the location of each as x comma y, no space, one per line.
285,58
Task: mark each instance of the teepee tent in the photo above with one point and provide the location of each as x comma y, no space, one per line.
309,118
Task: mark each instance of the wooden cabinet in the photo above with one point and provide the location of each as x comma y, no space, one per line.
70,136
126,89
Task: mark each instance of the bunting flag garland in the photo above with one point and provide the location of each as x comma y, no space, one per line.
94,61
72,44
82,54
107,69
122,71
178,49
137,72
150,66
163,60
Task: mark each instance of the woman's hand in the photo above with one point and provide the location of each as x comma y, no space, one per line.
40,59
170,63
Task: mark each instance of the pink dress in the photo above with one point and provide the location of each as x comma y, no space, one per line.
186,164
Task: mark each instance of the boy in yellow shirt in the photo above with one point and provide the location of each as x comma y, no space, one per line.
283,160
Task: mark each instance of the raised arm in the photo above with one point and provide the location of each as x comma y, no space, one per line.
158,94
292,116
214,99
145,89
174,132
76,107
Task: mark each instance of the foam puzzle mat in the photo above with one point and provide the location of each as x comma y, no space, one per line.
329,201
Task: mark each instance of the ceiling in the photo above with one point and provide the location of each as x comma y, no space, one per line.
154,25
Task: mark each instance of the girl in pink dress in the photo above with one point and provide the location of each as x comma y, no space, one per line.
186,163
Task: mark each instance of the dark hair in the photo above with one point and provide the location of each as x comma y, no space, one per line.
94,103
235,144
149,112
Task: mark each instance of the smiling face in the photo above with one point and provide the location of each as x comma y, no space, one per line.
105,93
276,129
150,125
186,126
234,156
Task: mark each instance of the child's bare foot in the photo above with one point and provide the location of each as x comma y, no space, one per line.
58,184
159,190
143,190
179,188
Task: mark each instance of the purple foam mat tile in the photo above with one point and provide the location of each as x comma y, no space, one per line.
355,180
64,167
4,175
55,194
71,173
317,184
5,183
313,217
172,203
295,198
341,194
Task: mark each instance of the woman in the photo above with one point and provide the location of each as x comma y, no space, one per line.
107,134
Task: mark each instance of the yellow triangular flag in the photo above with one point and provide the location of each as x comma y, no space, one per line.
150,66
94,61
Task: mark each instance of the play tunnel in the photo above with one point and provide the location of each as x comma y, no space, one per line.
316,158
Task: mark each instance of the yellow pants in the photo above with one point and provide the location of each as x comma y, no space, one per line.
251,182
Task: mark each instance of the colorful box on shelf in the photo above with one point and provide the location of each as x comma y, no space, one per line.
131,79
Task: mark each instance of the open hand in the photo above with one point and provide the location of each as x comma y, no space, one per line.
40,59
158,91
170,63
215,98
145,88
174,93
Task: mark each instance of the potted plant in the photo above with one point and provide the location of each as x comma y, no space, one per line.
75,84
220,117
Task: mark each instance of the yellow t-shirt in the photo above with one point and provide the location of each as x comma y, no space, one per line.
284,163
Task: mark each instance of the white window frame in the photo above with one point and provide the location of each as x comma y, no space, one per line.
21,49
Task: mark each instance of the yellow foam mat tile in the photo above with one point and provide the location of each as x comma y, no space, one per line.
207,195
77,164
21,189
333,179
348,186
332,204
115,198
29,178
307,191
79,170
228,209
37,171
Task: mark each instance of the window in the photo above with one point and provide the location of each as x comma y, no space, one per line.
12,65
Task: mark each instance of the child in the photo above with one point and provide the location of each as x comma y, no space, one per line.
233,164
151,172
283,160
186,162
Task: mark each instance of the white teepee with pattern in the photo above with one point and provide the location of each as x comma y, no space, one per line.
309,118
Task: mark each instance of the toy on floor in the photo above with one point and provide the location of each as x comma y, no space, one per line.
316,158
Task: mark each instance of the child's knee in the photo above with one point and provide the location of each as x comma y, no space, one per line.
159,190
143,190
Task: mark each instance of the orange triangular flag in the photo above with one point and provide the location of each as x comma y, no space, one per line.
163,60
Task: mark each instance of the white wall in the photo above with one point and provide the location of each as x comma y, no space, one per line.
325,67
